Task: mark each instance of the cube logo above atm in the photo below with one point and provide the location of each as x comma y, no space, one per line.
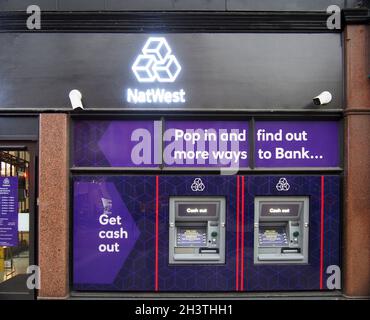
156,63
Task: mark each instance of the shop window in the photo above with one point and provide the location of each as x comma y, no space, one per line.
14,226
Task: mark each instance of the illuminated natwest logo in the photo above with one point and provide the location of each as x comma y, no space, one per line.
156,62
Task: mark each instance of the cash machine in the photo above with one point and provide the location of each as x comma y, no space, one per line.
281,230
197,230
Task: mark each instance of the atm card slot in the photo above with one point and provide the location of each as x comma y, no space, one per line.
290,250
209,250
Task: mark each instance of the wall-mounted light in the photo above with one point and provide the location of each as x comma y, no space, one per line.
323,98
76,99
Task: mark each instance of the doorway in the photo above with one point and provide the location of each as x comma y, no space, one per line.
17,219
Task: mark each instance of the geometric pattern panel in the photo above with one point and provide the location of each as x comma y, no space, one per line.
197,277
86,137
295,277
138,194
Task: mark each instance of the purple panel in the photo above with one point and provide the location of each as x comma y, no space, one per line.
197,277
104,232
9,211
129,143
118,143
132,143
136,271
297,144
332,224
86,135
259,277
221,149
134,198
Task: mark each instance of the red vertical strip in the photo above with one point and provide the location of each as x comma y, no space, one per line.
237,234
322,235
156,230
242,241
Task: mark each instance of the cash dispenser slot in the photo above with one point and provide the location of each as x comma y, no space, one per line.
208,250
281,229
197,230
290,250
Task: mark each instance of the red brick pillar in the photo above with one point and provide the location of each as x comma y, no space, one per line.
54,206
356,239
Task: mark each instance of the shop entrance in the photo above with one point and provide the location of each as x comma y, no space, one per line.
17,218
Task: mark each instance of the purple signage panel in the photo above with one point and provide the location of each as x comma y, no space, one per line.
104,232
127,143
206,144
133,143
9,211
221,144
297,144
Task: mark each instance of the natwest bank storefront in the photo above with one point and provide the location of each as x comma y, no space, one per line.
204,191
200,162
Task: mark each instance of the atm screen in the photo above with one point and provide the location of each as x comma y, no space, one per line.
272,236
191,237
280,209
197,210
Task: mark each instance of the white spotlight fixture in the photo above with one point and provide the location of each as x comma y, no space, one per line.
76,99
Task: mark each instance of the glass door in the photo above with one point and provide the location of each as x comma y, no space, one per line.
17,215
